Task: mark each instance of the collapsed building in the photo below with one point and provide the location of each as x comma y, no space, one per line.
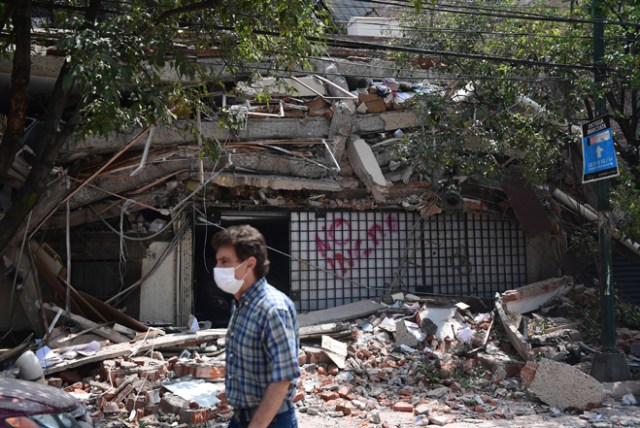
312,161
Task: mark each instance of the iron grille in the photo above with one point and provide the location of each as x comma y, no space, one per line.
340,257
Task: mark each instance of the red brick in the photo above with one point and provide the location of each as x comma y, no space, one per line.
197,416
173,404
329,395
299,396
402,406
344,391
528,373
207,372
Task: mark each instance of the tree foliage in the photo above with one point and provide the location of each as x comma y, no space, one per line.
134,63
530,76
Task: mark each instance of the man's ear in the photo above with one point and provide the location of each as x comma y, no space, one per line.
252,262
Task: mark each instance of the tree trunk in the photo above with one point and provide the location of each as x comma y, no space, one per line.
35,186
19,84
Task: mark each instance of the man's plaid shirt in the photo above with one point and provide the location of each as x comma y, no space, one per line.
261,345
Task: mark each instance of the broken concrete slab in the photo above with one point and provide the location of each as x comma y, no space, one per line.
532,296
366,167
275,182
350,311
404,335
335,350
517,340
565,387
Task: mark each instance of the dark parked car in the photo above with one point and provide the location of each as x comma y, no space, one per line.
25,404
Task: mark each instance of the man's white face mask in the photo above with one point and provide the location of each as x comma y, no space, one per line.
226,279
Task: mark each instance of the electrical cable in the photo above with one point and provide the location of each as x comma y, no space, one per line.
134,238
204,220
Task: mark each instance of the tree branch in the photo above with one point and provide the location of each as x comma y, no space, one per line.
20,76
51,141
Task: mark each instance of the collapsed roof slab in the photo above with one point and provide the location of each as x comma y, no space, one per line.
99,189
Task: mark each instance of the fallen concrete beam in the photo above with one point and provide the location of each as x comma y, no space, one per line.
341,128
366,167
517,340
339,313
533,296
565,387
275,182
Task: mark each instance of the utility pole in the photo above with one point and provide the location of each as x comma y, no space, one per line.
610,365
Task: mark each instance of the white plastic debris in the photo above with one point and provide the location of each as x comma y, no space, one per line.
482,318
465,335
629,400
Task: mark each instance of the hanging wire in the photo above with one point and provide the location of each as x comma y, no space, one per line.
17,269
204,220
123,256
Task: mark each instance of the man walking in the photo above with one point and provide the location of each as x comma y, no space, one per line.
262,338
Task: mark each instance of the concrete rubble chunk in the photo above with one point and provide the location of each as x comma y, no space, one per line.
565,387
405,335
622,388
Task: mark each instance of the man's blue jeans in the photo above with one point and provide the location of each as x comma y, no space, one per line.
285,419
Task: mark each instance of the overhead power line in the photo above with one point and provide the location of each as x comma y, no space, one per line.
477,11
515,61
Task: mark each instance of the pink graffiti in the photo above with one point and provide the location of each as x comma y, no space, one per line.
353,249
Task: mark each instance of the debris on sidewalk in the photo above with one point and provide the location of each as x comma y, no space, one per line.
406,356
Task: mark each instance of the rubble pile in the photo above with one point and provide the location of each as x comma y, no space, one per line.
409,362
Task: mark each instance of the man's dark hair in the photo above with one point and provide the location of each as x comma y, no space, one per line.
247,241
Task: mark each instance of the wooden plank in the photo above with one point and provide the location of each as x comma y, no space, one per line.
124,330
121,349
105,332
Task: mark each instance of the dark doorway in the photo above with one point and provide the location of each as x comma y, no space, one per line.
211,303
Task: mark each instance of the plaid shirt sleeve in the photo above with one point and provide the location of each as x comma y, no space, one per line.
280,343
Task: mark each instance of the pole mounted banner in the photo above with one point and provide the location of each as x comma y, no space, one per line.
599,159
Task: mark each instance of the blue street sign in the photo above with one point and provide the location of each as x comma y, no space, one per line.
598,151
